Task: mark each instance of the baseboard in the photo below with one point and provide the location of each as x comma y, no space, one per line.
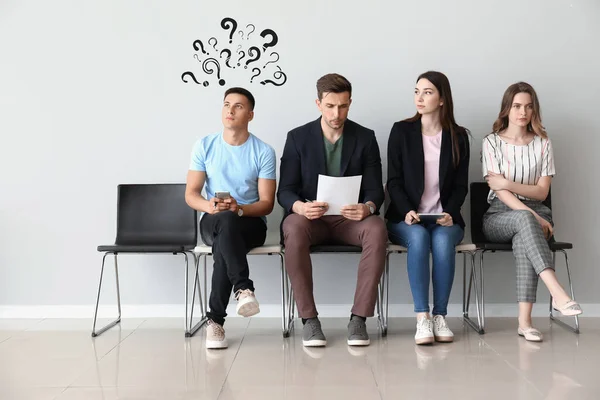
267,311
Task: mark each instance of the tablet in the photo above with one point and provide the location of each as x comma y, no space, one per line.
430,218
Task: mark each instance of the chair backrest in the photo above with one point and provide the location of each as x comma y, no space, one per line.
155,214
479,205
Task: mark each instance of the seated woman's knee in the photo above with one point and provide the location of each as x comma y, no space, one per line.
526,218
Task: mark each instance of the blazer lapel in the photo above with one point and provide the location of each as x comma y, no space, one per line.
318,146
445,156
418,156
348,146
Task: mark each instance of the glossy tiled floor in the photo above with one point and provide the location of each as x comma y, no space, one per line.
151,359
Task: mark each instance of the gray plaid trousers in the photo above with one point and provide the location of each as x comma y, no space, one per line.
501,224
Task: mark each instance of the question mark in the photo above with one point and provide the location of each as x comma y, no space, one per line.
277,75
214,45
198,45
253,29
273,41
228,56
229,23
251,57
241,34
240,59
209,71
188,73
197,58
255,75
272,61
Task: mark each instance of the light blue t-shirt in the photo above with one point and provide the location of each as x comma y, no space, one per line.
233,169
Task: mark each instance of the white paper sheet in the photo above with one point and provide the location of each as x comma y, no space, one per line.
338,191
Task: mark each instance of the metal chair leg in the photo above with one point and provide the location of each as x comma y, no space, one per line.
386,296
193,329
187,286
475,283
465,306
575,328
284,299
118,320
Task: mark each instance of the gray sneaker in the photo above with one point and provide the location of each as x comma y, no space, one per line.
312,334
357,332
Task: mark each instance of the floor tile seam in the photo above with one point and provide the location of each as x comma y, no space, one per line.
233,361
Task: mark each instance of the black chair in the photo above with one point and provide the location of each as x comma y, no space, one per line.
344,249
151,218
479,205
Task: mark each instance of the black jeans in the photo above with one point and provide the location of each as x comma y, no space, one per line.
231,238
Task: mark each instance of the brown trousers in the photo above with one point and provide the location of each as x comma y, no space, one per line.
299,234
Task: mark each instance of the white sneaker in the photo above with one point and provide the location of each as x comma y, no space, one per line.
247,305
424,333
441,332
215,336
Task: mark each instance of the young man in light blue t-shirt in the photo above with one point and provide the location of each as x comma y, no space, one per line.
237,169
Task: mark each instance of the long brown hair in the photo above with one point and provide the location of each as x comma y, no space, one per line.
440,81
535,125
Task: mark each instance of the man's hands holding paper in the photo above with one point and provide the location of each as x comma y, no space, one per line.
311,209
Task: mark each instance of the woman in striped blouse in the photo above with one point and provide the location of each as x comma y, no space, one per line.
518,165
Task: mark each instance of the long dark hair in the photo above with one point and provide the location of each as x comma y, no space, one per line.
440,81
535,125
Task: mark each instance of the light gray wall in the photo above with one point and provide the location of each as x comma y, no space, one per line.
91,96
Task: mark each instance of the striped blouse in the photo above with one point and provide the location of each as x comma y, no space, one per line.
522,164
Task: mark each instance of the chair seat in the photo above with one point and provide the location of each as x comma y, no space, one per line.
464,247
145,248
335,248
262,250
394,248
554,246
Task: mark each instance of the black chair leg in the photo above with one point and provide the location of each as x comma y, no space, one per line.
570,327
197,287
118,320
476,280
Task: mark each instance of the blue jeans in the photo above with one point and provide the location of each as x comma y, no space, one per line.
421,240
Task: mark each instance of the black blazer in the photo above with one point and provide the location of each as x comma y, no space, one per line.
303,160
406,172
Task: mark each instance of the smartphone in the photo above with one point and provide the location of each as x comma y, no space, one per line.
222,195
430,218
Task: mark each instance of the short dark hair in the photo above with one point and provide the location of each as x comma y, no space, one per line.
244,92
333,83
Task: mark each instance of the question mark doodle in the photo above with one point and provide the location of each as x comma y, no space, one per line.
197,58
255,75
214,45
188,73
229,23
198,45
253,29
209,71
240,59
277,75
241,34
191,74
228,52
252,58
273,41
272,61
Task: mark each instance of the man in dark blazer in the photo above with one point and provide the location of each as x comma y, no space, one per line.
335,146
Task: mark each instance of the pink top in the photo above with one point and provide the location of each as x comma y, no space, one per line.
430,201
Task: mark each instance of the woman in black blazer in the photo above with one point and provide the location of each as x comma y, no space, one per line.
428,164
